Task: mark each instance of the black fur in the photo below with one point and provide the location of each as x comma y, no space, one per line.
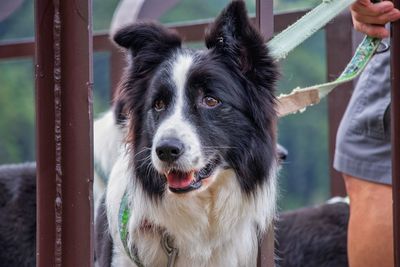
313,237
17,215
149,45
235,69
103,240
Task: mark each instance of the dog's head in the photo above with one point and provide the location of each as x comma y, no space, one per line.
193,114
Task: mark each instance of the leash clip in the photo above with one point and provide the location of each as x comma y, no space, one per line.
172,253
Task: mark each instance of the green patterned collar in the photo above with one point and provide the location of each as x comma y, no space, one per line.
124,215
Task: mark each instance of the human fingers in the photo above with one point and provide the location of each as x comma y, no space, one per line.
371,30
370,9
380,20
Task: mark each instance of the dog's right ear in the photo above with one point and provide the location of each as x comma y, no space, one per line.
147,37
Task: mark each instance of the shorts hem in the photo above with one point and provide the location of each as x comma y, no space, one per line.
370,171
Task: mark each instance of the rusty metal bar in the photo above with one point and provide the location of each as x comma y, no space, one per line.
26,47
191,31
395,134
339,49
283,20
17,48
266,250
264,21
64,133
265,17
101,42
45,141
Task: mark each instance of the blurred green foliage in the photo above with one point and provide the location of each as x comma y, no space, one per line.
304,177
17,114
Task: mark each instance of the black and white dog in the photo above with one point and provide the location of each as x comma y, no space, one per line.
200,163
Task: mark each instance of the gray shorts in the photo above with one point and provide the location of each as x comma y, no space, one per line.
363,139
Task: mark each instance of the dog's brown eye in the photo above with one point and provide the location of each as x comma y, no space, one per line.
159,105
210,101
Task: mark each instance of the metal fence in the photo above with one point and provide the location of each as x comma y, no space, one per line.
64,117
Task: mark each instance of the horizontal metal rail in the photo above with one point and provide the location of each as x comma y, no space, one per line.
191,32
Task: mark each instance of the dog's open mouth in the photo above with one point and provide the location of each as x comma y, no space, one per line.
182,182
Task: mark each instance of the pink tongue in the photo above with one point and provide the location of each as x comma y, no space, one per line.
179,179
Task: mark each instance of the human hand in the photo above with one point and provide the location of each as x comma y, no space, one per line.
370,18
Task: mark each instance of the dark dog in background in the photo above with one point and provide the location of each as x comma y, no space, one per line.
313,236
17,215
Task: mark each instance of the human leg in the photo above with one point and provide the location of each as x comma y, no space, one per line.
370,230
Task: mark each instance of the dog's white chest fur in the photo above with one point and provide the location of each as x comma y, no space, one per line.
216,227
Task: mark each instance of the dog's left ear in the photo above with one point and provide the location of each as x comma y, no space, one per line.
234,37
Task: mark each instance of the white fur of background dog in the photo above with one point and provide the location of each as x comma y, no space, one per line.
107,141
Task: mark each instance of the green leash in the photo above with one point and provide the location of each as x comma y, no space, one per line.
297,33
300,98
123,220
287,40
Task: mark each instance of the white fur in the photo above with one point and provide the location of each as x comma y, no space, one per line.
213,227
176,126
107,143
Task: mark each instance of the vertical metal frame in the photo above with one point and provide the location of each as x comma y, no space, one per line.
395,134
339,36
265,23
45,141
265,17
63,60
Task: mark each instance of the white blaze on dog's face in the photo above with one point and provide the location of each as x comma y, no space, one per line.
195,113
176,148
178,151
176,130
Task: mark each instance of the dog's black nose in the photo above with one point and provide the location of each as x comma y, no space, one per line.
169,150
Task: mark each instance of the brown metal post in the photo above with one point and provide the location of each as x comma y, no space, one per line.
45,141
265,17
266,251
265,23
395,137
64,133
339,50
